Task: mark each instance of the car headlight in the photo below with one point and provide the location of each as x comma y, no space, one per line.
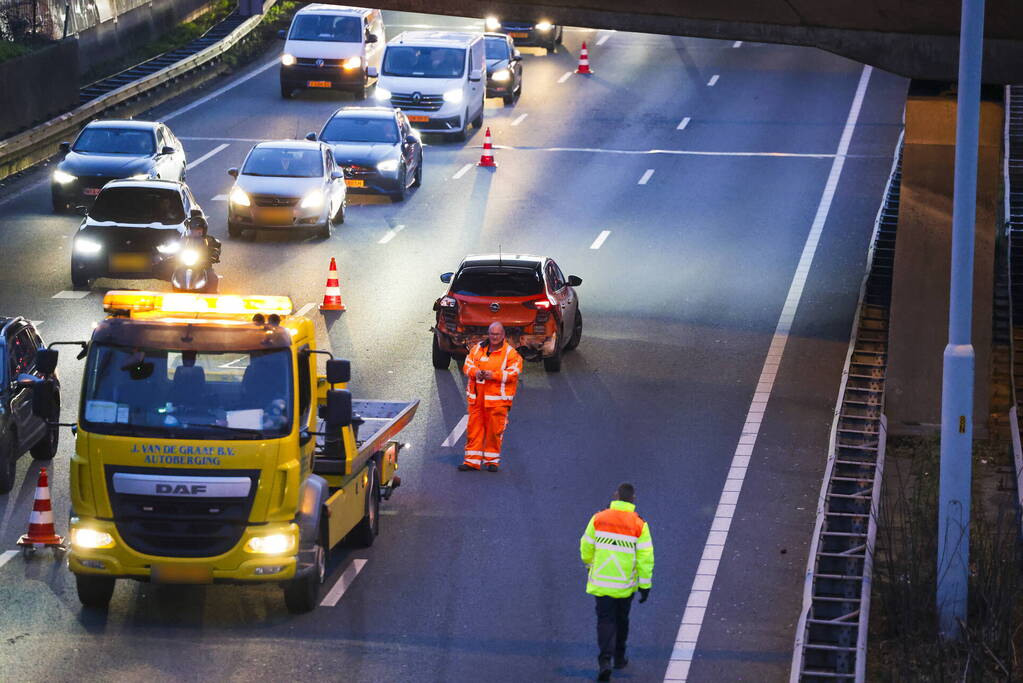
544,26
501,75
492,23
189,257
140,176
382,93
272,544
287,60
313,200
91,539
169,247
63,178
388,165
84,245
454,96
239,197
352,62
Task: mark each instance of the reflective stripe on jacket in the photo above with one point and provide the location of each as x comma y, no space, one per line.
618,550
504,365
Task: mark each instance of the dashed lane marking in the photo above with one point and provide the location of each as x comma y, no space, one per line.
699,595
461,172
305,309
456,433
519,119
646,176
565,76
737,43
219,198
6,556
603,39
37,323
683,124
680,152
219,139
343,582
713,80
389,235
71,294
204,157
600,239
220,91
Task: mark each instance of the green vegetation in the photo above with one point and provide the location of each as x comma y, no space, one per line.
9,50
276,18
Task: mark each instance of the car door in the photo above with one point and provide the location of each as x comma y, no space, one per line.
21,353
477,64
180,162
408,145
335,187
563,297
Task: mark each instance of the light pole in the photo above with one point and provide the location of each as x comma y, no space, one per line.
957,373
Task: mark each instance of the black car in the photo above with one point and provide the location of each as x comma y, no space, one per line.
377,148
20,429
528,33
134,230
109,150
504,68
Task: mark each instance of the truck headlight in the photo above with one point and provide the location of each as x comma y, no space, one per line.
239,197
84,245
501,75
273,544
90,539
352,62
453,96
189,257
492,23
544,26
169,247
287,60
63,178
388,165
313,200
382,93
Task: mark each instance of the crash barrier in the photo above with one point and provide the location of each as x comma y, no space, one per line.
24,102
1013,188
41,142
831,637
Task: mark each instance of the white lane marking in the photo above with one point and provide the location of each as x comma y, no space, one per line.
204,157
646,176
305,309
461,172
25,190
71,294
699,595
519,119
565,76
219,198
456,433
6,556
37,323
603,39
600,239
202,139
220,91
343,582
713,80
737,43
684,152
389,235
683,124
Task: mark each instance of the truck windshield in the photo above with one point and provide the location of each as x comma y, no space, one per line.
424,62
187,394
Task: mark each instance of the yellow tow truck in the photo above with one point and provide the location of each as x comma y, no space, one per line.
209,449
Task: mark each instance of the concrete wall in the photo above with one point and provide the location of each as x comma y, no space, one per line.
920,287
56,66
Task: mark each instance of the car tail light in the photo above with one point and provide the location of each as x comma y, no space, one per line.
538,304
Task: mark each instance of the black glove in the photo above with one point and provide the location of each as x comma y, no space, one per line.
644,593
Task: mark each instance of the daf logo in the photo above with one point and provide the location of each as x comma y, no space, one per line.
319,62
181,489
495,307
417,97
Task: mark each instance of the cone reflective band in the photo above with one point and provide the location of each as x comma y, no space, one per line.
332,295
487,158
40,523
584,61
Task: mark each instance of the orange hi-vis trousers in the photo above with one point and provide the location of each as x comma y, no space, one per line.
484,434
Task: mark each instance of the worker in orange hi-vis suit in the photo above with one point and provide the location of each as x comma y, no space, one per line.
493,368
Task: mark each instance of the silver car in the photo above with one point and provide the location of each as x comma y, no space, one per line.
287,185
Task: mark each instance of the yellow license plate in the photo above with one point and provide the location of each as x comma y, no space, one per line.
180,573
418,119
128,263
518,34
355,183
319,84
276,216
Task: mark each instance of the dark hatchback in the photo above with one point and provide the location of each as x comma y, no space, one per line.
504,68
109,150
528,33
20,429
377,148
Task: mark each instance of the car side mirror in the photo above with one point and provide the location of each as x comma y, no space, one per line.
338,412
282,34
311,137
44,396
167,151
475,75
372,38
516,55
446,277
195,213
46,360
575,280
372,71
65,147
411,139
339,371
337,174
233,172
82,211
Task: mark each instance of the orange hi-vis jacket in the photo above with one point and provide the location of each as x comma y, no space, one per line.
504,365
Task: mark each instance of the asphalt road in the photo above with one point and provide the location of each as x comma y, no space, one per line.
476,576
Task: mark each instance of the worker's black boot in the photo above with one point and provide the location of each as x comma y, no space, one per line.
605,670
621,662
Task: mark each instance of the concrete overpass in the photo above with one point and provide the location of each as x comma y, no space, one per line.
918,39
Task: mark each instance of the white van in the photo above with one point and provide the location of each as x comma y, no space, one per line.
437,78
332,46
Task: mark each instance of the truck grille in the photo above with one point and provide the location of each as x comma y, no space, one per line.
180,526
425,103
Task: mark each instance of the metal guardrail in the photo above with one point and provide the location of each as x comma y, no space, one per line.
831,637
1013,188
40,141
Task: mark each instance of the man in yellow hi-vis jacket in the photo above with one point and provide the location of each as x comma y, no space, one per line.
619,553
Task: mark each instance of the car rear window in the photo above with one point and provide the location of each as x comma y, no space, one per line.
350,129
327,28
138,205
494,281
115,141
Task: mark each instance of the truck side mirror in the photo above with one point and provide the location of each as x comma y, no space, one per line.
446,277
46,360
339,371
338,412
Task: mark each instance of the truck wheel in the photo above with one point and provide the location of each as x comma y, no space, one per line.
94,591
8,462
577,331
46,447
303,594
366,532
441,358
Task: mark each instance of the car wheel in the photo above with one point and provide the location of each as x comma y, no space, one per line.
339,217
417,179
286,91
60,206
303,594
80,280
402,192
441,358
478,121
46,447
234,230
557,40
553,364
366,531
577,331
509,98
8,461
552,48
324,231
461,135
94,591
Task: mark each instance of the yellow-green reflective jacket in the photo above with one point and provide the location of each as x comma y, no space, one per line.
618,550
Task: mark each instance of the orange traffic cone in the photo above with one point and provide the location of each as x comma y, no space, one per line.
584,61
487,158
332,296
40,523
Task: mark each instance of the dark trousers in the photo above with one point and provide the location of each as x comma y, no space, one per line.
612,627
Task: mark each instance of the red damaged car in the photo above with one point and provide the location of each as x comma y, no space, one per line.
529,295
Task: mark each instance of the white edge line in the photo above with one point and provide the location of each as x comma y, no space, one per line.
343,583
461,172
6,556
600,239
305,309
204,157
692,618
456,433
219,91
565,77
682,125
